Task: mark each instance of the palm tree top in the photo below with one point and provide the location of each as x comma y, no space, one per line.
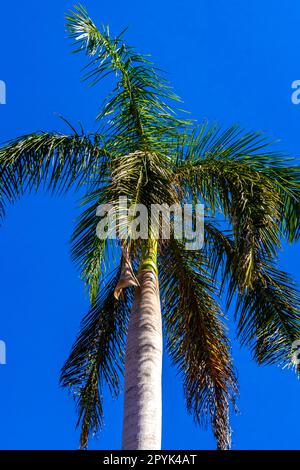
147,150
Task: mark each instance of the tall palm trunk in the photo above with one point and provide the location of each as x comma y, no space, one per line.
143,366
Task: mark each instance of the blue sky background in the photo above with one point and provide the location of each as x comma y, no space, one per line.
231,61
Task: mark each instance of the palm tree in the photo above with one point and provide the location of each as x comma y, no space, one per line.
144,151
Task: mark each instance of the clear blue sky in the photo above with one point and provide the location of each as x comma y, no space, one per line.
231,61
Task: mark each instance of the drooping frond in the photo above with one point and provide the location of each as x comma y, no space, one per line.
287,181
267,312
53,160
59,162
196,338
231,169
220,250
97,356
88,250
269,316
259,196
252,210
10,189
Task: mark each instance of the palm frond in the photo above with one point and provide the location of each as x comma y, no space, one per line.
53,160
138,108
89,252
196,338
10,189
97,356
268,312
218,248
227,168
269,316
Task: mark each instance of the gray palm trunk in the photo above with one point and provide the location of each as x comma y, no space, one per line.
143,368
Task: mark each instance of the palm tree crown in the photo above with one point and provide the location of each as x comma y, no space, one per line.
145,152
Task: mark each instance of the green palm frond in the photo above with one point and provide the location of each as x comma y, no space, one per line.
286,179
53,160
269,316
268,312
97,356
218,248
10,189
88,251
230,167
196,338
138,108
